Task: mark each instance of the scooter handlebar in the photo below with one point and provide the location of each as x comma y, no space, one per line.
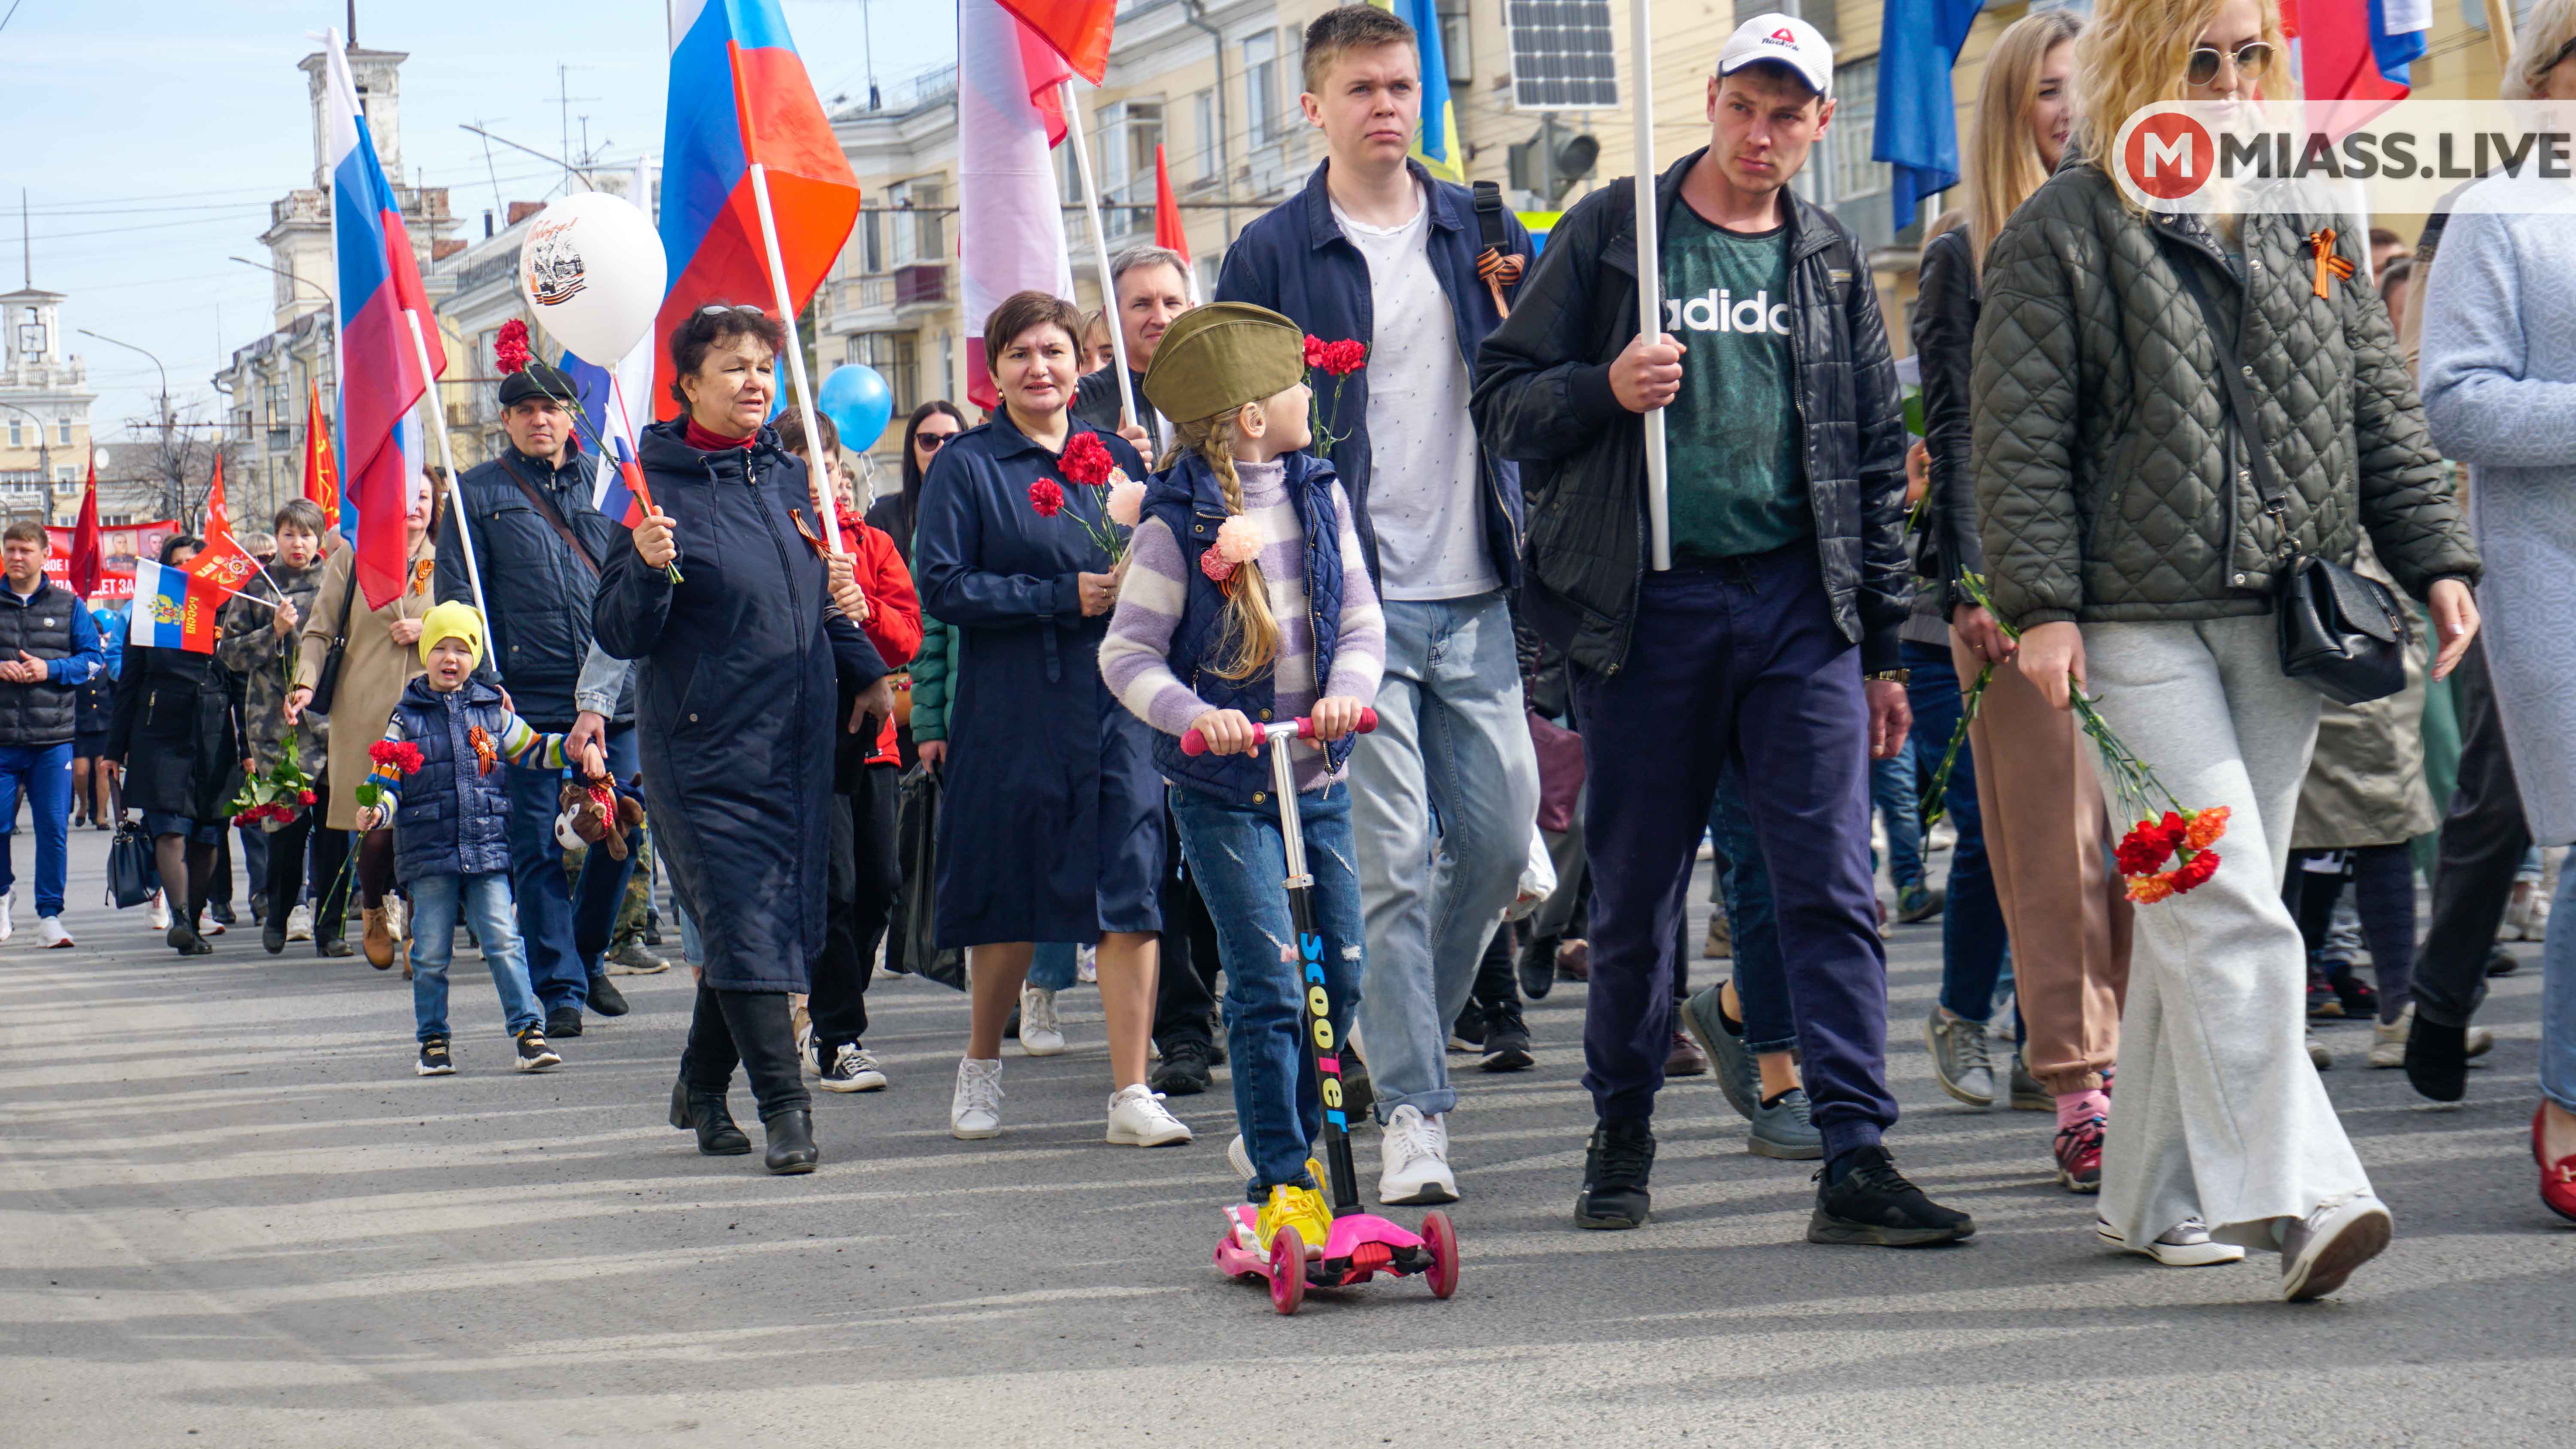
1193,743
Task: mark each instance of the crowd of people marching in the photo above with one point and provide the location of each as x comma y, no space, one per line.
1394,474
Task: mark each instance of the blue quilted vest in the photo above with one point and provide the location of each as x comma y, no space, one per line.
1189,501
453,820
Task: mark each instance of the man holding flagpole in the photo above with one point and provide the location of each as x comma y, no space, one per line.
1152,287
1769,645
1379,251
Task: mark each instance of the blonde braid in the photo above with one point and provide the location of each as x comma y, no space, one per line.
1249,627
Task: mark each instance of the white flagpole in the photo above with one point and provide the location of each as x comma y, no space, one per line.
447,460
815,482
1099,251
1650,303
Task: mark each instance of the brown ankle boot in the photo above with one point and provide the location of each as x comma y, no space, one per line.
379,938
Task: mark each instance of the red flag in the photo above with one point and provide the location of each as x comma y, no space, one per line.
1078,30
321,465
1168,230
2339,75
224,562
89,558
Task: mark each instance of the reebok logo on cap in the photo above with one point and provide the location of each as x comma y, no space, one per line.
1782,40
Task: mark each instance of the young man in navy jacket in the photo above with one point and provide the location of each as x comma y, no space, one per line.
1375,250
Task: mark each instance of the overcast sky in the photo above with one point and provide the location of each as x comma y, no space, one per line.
151,136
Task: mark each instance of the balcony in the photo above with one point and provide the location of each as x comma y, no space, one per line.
921,284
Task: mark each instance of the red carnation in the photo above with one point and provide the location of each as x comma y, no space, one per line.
1047,497
1344,358
400,756
306,796
1085,461
1315,348
2196,871
510,348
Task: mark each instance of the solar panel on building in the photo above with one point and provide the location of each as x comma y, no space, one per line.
1561,58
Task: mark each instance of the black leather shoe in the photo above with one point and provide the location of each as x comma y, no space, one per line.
2437,1060
562,1022
333,945
791,1142
1616,1166
184,939
605,998
1183,1072
1537,967
272,937
709,1118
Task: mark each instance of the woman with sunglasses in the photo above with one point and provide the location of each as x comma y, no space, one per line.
2500,386
2135,530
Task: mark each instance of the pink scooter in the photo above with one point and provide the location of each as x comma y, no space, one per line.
1360,1245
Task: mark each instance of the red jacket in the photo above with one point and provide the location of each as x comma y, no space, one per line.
894,610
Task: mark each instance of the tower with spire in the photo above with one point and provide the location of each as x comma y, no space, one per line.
44,398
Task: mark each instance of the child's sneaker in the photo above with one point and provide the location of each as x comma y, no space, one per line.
434,1060
1301,1208
1239,1157
1137,1118
534,1054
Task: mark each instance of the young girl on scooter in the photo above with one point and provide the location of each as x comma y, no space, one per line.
1247,602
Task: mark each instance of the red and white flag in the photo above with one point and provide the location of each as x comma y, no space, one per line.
1010,221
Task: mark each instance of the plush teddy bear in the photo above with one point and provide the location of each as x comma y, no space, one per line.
584,821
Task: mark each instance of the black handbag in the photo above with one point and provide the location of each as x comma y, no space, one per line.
326,683
917,919
2342,635
132,874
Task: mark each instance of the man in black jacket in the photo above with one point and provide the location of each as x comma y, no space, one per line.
49,648
1786,450
539,544
1152,285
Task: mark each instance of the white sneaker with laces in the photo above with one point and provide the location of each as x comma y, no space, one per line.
975,1111
299,922
1040,1036
1137,1118
159,912
8,927
1413,1160
2184,1245
2320,1251
49,929
853,1069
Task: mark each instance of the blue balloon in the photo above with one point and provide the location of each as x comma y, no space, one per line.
855,397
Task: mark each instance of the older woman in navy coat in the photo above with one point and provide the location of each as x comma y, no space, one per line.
736,708
1052,827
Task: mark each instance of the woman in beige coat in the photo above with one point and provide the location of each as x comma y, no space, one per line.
381,656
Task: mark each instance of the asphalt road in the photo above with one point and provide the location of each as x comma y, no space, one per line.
230,1215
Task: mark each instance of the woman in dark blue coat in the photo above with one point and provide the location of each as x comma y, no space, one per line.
735,710
1052,826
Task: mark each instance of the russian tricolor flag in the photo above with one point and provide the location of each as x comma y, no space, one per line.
612,400
172,609
739,98
382,308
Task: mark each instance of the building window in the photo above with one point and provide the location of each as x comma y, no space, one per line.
1261,88
891,354
871,242
273,402
1211,144
14,442
1457,41
1129,133
1849,170
63,432
920,232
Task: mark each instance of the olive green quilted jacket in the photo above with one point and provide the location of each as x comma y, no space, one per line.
2109,484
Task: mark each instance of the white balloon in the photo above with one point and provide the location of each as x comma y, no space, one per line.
592,273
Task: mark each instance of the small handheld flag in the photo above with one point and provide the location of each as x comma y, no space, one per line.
172,609
223,562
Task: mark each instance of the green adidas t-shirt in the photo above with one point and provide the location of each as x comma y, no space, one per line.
1734,482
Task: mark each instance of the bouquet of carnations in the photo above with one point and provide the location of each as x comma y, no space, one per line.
1086,463
393,760
274,796
1336,360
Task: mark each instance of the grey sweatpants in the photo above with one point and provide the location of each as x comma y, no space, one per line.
2217,1114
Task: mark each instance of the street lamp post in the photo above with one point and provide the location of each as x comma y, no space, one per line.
169,454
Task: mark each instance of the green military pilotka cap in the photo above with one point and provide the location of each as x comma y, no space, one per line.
1222,356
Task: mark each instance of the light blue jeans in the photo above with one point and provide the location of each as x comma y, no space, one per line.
2558,998
1443,799
1052,965
493,913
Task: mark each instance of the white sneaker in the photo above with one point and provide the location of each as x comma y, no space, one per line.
8,927
1137,1118
2320,1251
1413,1160
2184,1245
1040,1036
975,1111
1086,965
2388,1039
853,1069
159,914
299,922
49,929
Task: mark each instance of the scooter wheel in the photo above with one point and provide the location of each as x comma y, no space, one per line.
1442,1240
1287,1270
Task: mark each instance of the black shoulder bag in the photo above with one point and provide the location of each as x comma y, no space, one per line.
326,684
2342,635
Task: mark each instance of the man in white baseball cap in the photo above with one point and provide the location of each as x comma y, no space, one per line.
1784,40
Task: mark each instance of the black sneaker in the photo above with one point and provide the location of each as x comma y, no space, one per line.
605,999
1615,1167
1507,1041
2500,962
434,1060
1216,1039
2437,1060
1359,1095
1537,967
1467,1033
563,1022
1875,1204
534,1054
847,1067
1183,1072
272,937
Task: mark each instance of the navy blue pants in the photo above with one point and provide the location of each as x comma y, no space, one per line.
564,931
1737,661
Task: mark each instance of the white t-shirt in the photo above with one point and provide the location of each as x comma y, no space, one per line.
1424,496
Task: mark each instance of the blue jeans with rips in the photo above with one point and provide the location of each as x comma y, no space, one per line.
1239,859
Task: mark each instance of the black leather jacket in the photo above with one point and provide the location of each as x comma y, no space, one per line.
1945,331
1543,399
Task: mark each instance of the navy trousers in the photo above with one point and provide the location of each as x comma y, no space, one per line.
1736,661
563,930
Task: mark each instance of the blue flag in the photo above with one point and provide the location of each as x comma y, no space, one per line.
1918,130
